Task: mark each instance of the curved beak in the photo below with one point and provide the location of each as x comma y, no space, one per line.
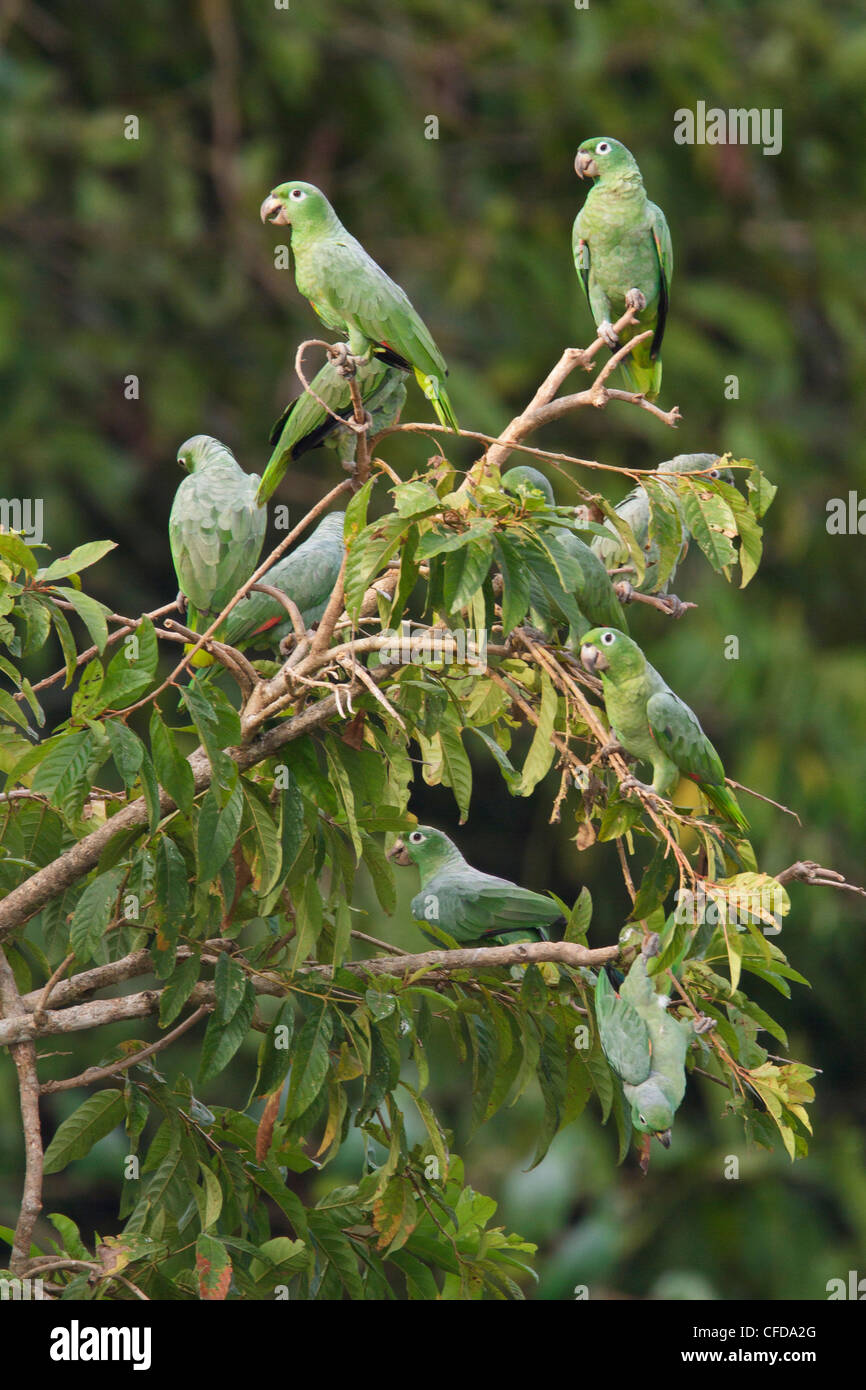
398,854
664,1138
273,210
592,658
584,165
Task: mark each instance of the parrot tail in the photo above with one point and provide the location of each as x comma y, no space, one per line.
726,804
647,379
438,396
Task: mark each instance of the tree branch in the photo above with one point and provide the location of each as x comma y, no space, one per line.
24,1056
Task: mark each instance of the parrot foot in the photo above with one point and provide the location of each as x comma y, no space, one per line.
703,1024
645,792
346,364
624,590
614,746
181,601
650,945
675,606
636,300
608,335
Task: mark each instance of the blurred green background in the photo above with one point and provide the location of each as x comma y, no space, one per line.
146,257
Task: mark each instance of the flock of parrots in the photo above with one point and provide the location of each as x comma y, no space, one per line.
623,257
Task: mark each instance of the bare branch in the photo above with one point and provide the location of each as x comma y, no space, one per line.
24,1056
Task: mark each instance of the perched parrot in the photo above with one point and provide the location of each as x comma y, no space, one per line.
307,575
623,256
466,903
635,511
645,1045
216,528
305,425
653,723
352,294
593,592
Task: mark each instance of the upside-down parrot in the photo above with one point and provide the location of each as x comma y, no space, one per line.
623,256
216,528
351,294
635,511
305,424
593,591
645,1045
466,903
653,723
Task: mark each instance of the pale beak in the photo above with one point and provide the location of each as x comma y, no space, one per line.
273,210
398,854
664,1138
592,658
584,165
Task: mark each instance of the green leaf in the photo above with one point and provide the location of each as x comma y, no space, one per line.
178,990
216,832
92,1121
127,750
78,559
515,582
132,669
465,572
172,769
275,1051
93,912
457,769
710,520
310,1061
542,749
92,613
222,1040
20,555
230,987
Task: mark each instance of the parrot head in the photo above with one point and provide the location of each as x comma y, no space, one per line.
299,205
425,847
604,158
653,1114
608,652
694,463
524,479
201,450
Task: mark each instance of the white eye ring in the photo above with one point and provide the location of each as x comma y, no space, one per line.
297,194
608,639
602,147
642,1120
416,838
714,473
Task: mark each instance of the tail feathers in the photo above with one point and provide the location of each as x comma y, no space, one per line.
438,397
726,804
645,379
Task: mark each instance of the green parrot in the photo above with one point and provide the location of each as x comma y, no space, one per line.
305,425
216,528
307,575
635,511
645,1045
352,294
470,905
593,592
653,723
623,256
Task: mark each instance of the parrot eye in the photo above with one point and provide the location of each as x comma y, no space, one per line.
298,194
608,639
642,1120
602,147
714,473
416,838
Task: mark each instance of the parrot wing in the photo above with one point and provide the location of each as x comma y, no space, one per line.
679,735
380,308
580,251
665,252
483,905
625,1038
